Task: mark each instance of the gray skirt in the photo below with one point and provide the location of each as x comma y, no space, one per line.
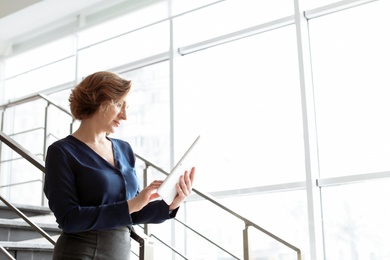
96,244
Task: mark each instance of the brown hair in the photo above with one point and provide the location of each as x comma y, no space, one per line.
95,92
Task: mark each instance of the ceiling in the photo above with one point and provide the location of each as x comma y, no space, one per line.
10,6
22,16
29,22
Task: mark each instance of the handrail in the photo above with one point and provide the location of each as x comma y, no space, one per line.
248,222
215,244
7,254
212,200
25,218
196,232
22,151
51,102
40,165
32,98
37,163
20,101
169,246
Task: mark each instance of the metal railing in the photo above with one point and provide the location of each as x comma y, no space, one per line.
246,221
145,243
39,164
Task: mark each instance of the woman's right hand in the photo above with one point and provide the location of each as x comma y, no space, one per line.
144,197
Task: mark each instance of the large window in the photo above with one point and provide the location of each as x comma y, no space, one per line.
39,69
227,17
351,55
147,127
249,116
124,49
356,220
230,72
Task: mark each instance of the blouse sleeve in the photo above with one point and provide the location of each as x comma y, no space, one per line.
61,192
155,212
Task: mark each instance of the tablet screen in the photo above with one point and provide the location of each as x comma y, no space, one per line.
167,190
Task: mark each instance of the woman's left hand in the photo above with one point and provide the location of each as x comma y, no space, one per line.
183,188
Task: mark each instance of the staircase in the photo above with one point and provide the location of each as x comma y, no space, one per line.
20,240
31,233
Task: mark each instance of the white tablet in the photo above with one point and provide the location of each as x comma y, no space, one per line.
167,190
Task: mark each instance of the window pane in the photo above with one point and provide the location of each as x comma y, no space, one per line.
227,17
356,221
179,6
310,4
351,63
248,114
275,212
135,19
43,78
39,56
125,49
147,127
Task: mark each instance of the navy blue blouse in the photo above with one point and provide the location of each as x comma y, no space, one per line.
86,192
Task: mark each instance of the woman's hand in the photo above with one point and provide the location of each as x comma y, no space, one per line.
144,197
183,188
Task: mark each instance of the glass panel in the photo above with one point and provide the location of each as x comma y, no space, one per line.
274,212
147,127
311,4
62,97
356,221
125,49
145,15
249,115
284,214
39,56
218,226
59,124
21,179
226,17
40,79
180,6
28,116
351,63
29,193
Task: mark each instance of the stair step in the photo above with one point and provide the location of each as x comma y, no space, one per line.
19,230
19,223
27,246
28,210
28,251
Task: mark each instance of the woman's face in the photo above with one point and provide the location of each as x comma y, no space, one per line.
111,117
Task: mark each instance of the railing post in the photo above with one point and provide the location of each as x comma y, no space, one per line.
146,246
147,249
145,178
71,125
45,136
246,243
2,129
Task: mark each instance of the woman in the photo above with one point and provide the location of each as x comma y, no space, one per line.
90,180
